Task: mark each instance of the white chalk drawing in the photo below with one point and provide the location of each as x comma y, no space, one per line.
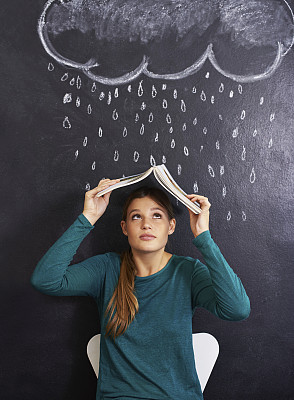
270,144
211,171
272,26
116,155
160,107
168,119
252,176
67,98
66,123
183,106
136,156
203,96
64,77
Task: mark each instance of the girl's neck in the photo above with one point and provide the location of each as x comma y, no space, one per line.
150,263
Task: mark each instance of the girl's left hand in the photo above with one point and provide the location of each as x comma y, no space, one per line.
199,222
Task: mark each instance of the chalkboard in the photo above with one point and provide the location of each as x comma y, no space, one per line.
95,89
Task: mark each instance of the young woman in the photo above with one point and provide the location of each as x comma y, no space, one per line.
146,297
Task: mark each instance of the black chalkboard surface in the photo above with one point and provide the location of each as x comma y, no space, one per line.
204,87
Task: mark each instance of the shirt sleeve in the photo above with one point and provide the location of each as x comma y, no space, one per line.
215,286
53,274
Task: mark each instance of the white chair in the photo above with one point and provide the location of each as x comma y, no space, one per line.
205,346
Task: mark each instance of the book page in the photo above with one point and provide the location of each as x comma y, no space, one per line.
129,180
163,177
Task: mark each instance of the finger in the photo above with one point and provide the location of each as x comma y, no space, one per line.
108,183
108,180
196,195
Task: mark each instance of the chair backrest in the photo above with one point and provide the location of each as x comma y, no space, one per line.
205,346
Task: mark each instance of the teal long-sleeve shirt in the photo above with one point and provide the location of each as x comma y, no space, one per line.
154,358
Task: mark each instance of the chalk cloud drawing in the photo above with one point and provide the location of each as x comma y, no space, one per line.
119,28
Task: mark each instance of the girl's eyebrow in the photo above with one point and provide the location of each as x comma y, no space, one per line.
152,209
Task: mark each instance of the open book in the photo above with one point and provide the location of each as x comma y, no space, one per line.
164,178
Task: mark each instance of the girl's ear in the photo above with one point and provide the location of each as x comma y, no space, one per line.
172,226
123,227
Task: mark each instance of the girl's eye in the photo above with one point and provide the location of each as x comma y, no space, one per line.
135,216
156,215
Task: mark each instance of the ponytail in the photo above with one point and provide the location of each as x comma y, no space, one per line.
123,299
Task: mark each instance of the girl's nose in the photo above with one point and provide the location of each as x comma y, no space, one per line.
146,223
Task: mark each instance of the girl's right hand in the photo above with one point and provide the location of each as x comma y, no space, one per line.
94,207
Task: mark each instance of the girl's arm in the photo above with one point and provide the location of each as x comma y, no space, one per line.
54,275
215,286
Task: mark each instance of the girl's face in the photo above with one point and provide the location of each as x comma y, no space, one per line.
147,225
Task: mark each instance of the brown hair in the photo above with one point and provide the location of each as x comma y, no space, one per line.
123,298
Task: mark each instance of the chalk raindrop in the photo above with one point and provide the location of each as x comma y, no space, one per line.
94,87
114,115
183,106
79,82
252,176
152,161
64,77
203,96
136,156
142,129
211,171
140,89
66,123
67,98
